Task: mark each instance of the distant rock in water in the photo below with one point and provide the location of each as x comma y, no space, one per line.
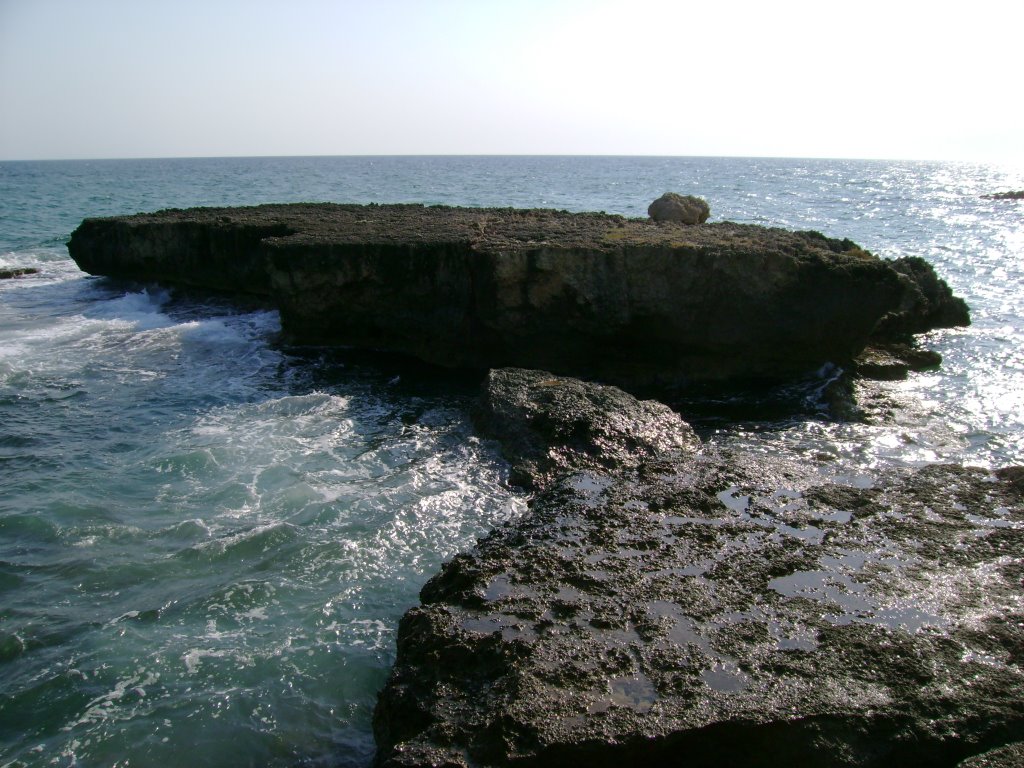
1017,195
627,301
10,273
679,209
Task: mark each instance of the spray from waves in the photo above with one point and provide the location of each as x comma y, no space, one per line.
203,554
50,261
263,584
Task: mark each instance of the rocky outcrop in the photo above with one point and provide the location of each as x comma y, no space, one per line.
894,361
217,249
928,303
679,209
1009,756
622,300
1014,195
671,605
551,425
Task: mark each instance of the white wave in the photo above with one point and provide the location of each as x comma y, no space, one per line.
140,310
303,418
52,263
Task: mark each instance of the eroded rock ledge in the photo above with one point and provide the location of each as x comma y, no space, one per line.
663,604
627,301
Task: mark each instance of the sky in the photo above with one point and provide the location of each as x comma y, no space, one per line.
197,78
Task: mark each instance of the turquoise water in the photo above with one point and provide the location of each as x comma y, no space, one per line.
207,539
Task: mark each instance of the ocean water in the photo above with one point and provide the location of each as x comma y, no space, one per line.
207,538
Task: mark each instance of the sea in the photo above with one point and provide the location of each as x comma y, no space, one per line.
208,537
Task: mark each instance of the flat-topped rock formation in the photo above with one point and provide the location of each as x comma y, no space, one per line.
661,604
629,301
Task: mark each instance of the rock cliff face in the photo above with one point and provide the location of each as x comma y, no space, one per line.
665,605
598,296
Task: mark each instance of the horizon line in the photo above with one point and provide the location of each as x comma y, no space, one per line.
499,155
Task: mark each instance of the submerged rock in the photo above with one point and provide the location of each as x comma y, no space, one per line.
679,209
712,609
626,301
13,272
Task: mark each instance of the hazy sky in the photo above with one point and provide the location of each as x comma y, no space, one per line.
154,78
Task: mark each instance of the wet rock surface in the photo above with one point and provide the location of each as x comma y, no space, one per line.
667,604
628,301
894,361
550,425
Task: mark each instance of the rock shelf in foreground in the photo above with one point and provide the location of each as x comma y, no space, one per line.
628,301
662,604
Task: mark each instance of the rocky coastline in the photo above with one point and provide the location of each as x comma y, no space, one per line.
662,602
633,302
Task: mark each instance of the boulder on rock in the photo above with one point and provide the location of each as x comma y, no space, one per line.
680,209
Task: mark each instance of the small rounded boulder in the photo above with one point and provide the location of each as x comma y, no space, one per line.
681,209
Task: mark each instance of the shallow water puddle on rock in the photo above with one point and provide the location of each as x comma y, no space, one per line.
725,678
589,486
684,629
808,534
734,500
825,586
501,586
852,598
635,692
511,627
906,618
797,643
